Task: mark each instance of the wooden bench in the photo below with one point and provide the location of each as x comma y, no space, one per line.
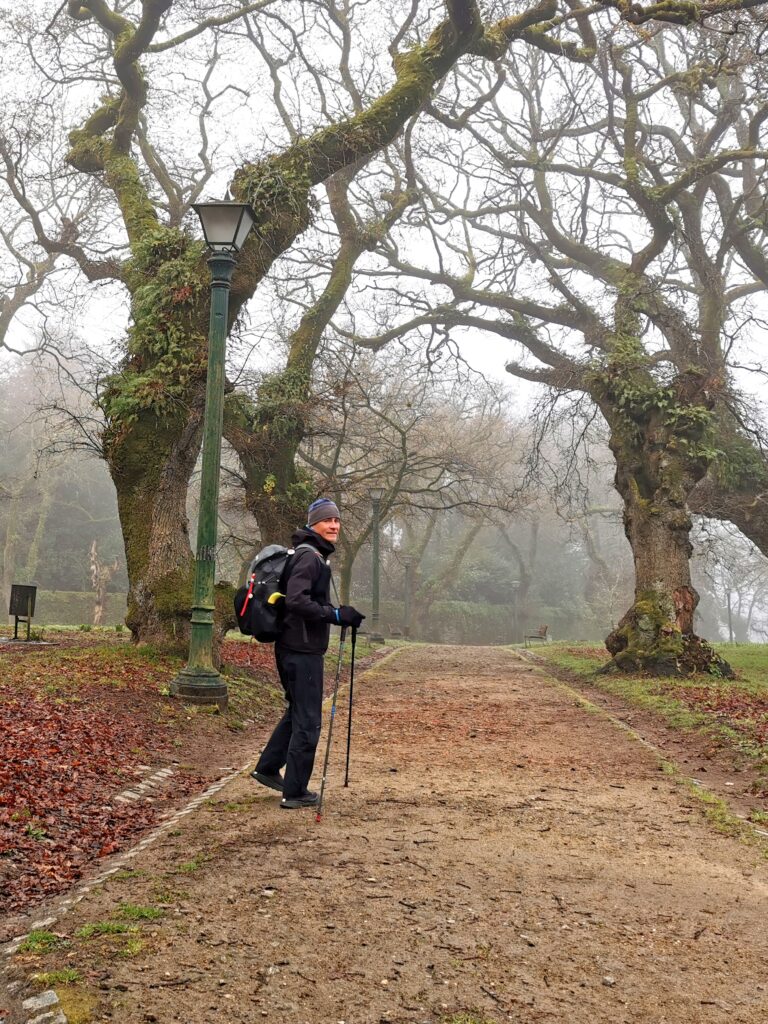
539,634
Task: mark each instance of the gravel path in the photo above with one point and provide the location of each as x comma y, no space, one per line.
502,854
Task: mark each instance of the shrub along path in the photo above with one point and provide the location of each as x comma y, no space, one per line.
502,854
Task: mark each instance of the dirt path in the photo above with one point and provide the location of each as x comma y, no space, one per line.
501,855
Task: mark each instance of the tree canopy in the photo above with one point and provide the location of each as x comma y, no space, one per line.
585,182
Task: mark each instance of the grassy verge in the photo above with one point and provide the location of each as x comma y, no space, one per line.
363,649
731,713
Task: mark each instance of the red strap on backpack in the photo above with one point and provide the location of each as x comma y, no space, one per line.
248,596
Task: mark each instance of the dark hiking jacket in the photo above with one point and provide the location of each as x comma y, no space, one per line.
308,609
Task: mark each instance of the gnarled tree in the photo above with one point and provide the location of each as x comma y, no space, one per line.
593,236
125,143
131,142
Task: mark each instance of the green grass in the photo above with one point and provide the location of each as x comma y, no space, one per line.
67,976
132,948
104,928
133,912
191,866
39,941
749,659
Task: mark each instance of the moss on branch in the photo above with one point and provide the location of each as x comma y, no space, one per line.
167,341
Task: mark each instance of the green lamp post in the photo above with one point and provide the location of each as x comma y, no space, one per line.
408,564
225,225
515,587
376,494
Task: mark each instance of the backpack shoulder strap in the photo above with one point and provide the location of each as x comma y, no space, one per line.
323,560
310,547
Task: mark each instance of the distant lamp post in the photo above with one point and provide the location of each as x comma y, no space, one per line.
515,585
376,494
225,225
408,566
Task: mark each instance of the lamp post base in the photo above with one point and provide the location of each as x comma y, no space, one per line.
200,687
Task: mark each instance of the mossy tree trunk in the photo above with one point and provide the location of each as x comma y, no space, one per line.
152,406
658,435
151,476
266,435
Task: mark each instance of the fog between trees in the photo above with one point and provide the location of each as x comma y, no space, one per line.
586,184
563,545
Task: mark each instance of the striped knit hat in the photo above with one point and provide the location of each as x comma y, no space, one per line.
321,509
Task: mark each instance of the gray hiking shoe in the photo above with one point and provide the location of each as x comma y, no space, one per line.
307,799
271,781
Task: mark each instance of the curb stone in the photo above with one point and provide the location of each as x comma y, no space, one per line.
47,1000
144,788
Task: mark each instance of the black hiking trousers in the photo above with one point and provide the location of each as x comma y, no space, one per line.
295,739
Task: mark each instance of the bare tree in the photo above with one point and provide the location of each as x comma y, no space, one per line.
736,575
591,235
432,439
101,574
130,142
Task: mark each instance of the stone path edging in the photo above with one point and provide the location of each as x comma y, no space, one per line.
48,1001
148,785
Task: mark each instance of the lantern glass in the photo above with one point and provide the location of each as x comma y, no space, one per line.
225,224
376,493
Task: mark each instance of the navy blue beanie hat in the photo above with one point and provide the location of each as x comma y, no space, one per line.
321,509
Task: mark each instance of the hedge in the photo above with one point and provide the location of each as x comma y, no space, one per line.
75,608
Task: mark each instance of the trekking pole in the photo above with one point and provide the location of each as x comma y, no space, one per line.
351,698
342,638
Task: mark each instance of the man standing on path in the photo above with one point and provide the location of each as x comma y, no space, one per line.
299,652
